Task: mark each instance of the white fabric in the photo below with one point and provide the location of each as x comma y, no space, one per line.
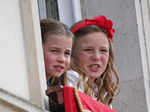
72,78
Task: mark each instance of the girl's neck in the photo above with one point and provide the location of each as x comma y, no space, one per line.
91,80
48,76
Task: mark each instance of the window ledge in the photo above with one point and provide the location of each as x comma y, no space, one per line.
19,102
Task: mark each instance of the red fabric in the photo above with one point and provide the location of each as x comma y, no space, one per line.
87,102
69,100
100,21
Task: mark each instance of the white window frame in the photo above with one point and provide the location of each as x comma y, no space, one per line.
34,51
42,9
69,11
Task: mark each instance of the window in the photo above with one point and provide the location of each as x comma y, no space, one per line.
52,9
48,8
67,11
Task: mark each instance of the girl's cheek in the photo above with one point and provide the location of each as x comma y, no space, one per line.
67,62
104,58
83,56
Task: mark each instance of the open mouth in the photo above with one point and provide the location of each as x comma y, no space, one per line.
59,68
94,67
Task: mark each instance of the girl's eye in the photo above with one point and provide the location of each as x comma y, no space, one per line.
68,53
104,50
88,49
54,51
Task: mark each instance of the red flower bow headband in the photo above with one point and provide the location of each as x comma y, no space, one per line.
100,21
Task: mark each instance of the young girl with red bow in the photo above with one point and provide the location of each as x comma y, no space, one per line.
92,69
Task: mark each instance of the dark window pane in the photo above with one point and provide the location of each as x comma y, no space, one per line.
52,9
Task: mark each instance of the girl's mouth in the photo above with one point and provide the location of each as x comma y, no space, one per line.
59,68
94,67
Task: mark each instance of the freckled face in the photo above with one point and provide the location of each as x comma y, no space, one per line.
57,52
92,54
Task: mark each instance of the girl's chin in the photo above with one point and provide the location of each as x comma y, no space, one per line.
58,75
94,76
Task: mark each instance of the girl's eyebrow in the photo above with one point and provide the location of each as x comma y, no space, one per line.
104,47
87,47
58,48
54,47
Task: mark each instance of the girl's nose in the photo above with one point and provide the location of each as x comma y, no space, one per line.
61,58
96,56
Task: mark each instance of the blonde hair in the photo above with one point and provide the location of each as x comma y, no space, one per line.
106,85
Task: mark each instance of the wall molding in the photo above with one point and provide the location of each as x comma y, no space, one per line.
18,102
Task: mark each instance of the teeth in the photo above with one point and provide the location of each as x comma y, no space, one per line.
94,67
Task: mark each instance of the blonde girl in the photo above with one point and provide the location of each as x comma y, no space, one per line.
92,68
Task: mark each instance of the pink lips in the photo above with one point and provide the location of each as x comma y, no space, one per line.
58,68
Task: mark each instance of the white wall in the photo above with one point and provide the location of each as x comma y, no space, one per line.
13,70
21,60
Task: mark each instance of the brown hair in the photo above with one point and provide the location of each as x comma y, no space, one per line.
106,85
53,27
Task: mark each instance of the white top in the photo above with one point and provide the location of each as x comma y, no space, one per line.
72,78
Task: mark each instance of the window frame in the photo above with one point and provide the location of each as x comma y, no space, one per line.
33,51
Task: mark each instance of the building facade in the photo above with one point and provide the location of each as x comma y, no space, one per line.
22,79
